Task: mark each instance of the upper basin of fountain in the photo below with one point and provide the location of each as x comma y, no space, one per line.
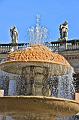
35,55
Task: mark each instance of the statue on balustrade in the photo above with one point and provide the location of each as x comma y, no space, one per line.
14,35
63,28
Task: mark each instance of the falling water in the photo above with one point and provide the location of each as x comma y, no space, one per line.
66,87
63,87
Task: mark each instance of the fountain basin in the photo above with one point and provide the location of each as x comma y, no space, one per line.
15,67
36,65
37,55
38,104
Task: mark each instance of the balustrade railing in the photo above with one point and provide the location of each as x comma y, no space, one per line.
54,46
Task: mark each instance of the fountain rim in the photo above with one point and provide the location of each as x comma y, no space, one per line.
60,65
22,104
42,97
38,61
15,67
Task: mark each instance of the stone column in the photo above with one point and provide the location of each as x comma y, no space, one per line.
41,86
77,96
34,81
1,93
12,85
25,83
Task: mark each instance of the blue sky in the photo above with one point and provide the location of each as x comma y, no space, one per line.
22,13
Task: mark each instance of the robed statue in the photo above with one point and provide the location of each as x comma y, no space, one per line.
63,28
14,34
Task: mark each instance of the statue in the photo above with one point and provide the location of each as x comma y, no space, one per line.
64,31
14,34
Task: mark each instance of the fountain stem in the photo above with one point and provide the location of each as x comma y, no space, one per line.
34,81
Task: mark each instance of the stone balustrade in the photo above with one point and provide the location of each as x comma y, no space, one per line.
54,46
5,48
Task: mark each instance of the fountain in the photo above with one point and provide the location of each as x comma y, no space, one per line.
42,74
36,64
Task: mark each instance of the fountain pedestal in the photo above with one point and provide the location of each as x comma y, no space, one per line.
34,81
